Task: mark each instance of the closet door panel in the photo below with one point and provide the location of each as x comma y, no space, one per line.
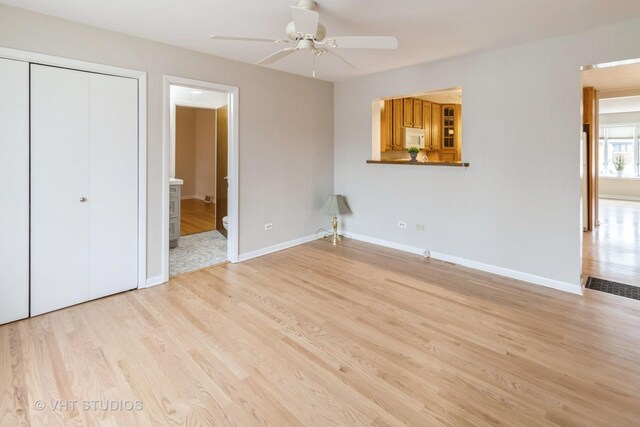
59,182
113,185
14,196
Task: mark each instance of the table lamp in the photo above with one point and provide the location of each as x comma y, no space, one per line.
336,205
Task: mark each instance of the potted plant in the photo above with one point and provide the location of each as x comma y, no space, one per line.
619,163
413,152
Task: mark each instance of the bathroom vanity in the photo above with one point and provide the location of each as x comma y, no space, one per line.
174,211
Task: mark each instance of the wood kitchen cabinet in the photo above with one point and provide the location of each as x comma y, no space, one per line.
451,129
386,126
417,113
426,124
436,124
408,113
442,124
398,121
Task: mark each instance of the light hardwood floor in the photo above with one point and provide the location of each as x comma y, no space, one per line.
612,250
196,216
320,335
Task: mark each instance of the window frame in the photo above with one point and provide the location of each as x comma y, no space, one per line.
635,141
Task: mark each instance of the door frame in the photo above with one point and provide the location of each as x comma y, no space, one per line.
233,162
141,77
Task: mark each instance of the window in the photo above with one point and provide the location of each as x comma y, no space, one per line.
618,150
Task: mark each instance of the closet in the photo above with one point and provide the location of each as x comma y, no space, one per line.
80,201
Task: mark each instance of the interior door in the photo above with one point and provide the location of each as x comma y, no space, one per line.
14,196
222,120
84,186
59,184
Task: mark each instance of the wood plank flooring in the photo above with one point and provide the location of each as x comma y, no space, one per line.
319,335
612,250
196,216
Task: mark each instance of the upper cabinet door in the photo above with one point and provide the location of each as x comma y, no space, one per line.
60,188
448,126
426,124
386,126
14,197
417,113
398,133
458,131
408,113
436,132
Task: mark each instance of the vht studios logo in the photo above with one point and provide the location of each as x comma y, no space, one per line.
91,405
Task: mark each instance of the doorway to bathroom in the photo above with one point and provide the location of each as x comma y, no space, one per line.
199,133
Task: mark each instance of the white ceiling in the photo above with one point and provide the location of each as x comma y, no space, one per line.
427,30
627,104
613,78
451,96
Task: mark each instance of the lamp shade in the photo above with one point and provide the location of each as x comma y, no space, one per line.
336,205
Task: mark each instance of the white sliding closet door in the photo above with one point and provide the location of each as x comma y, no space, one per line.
113,185
14,195
84,186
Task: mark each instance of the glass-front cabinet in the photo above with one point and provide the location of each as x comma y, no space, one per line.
448,126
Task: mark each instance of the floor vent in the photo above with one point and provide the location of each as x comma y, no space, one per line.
614,288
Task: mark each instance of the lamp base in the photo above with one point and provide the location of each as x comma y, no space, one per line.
335,237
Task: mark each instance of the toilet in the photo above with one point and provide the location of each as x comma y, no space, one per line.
225,222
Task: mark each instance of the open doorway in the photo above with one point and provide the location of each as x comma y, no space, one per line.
200,132
611,186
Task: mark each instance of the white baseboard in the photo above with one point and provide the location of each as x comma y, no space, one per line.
500,271
154,281
187,197
617,197
387,244
276,248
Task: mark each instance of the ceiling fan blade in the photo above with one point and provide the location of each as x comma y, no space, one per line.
341,58
363,42
305,21
278,55
246,39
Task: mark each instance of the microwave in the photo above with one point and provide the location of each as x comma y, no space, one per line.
413,138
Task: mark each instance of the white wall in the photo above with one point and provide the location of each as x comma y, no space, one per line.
517,206
620,188
620,118
286,152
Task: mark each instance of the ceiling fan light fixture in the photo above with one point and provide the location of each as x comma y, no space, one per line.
306,30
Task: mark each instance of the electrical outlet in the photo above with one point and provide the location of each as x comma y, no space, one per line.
402,224
268,227
419,227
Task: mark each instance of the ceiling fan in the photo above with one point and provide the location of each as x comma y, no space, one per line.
309,34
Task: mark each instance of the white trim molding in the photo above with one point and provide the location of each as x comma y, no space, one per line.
620,197
278,247
154,281
141,76
500,271
233,236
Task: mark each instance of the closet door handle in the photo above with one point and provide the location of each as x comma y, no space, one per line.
83,199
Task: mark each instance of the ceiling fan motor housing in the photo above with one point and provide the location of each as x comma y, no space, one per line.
307,4
294,35
291,29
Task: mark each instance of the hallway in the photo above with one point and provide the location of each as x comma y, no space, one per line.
612,251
